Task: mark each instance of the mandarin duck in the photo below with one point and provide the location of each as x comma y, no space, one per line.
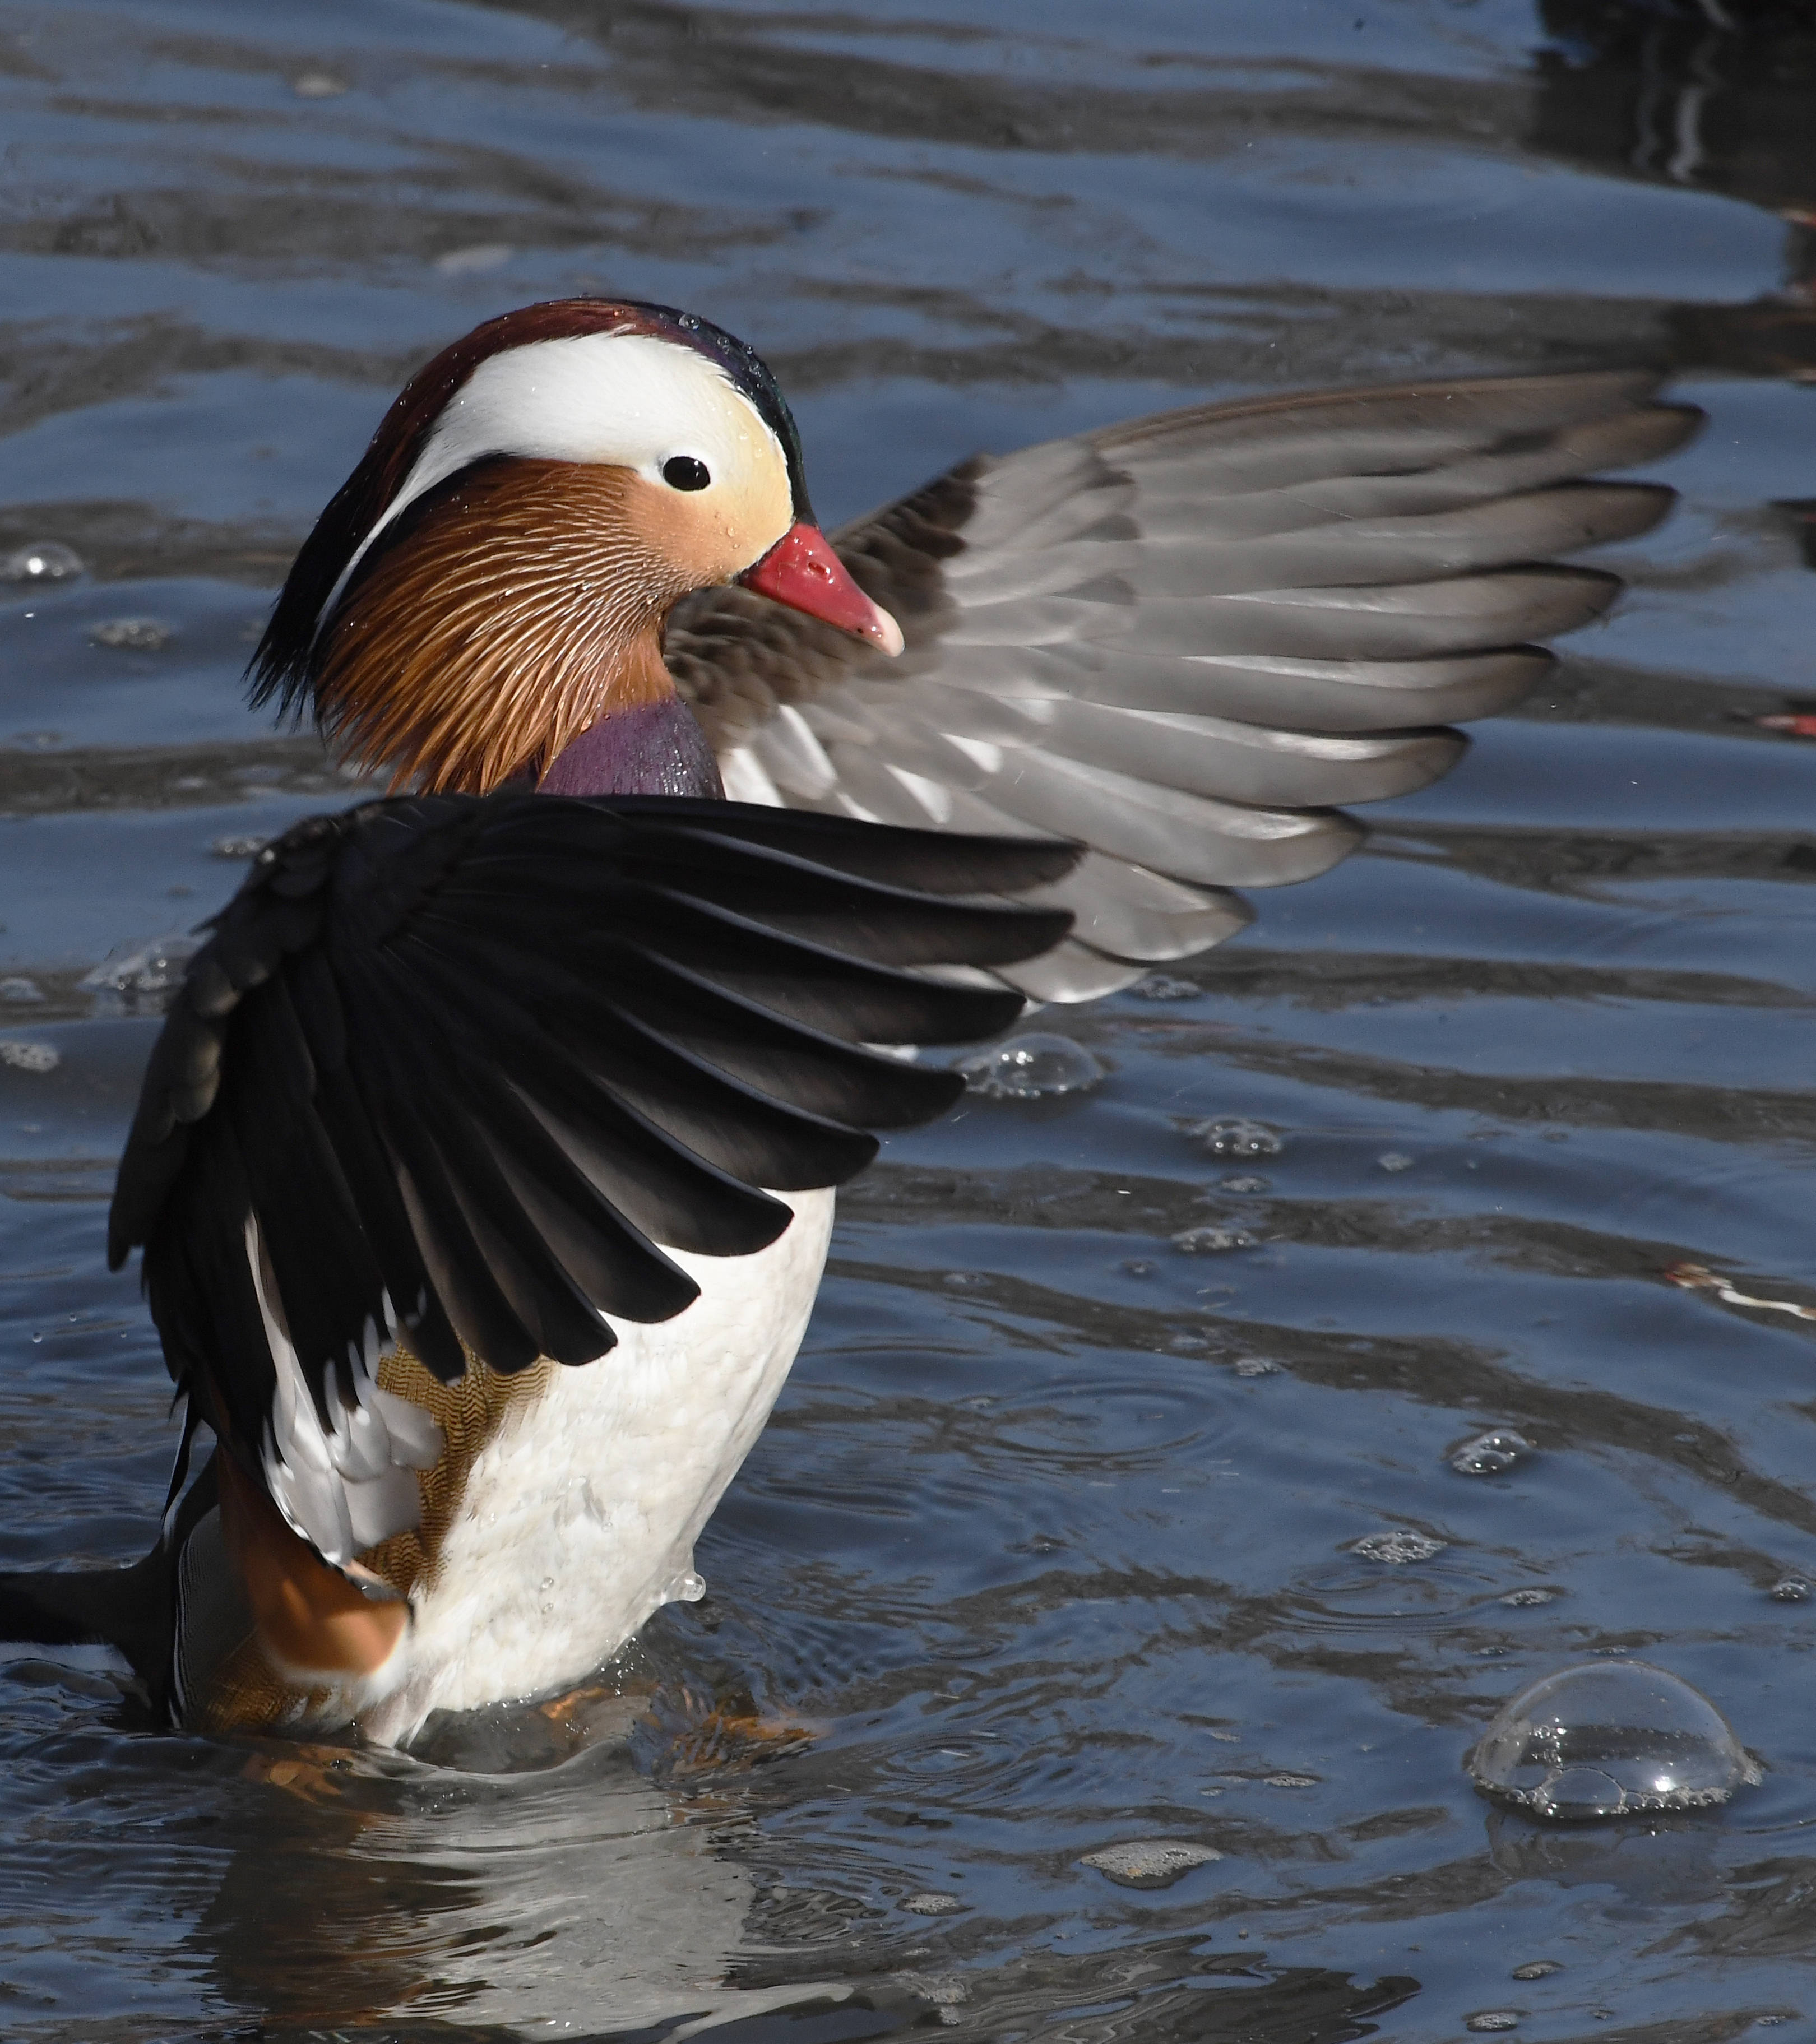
483,1168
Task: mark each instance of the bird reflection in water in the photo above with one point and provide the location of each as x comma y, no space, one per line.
438,1887
1718,98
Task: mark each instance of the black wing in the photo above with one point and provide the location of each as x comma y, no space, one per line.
464,1068
1184,640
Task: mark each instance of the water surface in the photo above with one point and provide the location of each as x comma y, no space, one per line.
1052,1544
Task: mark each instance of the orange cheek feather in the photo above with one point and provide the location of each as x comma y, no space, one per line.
310,1618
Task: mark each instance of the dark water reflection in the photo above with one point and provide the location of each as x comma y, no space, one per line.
1052,1543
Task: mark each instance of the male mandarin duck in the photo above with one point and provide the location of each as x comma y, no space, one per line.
483,1167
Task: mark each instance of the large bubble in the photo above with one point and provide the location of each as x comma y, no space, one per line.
1036,1066
1608,1737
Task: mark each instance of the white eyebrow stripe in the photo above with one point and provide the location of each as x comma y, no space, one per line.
569,400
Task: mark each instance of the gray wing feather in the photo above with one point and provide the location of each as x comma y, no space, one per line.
1186,639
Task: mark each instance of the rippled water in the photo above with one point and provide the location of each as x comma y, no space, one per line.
1063,1539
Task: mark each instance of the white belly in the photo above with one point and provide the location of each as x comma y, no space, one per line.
579,1516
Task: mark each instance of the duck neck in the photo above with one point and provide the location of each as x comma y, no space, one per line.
645,741
513,617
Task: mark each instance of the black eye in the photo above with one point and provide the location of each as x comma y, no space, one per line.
682,471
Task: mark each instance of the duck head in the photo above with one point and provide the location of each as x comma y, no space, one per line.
484,597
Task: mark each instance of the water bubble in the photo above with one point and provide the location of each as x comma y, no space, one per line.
1256,1365
1211,1241
132,635
1398,1547
1491,1454
1159,986
150,969
932,1904
44,560
1394,1160
1493,2018
1237,1138
1244,1184
1139,1266
1537,1969
1148,1863
1521,1599
238,848
21,990
1606,1738
1037,1066
1791,1589
31,1057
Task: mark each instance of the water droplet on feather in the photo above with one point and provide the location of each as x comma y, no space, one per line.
1038,1066
1606,1738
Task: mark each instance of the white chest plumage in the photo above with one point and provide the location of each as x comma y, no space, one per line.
578,1518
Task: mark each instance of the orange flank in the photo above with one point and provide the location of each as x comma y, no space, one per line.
310,1619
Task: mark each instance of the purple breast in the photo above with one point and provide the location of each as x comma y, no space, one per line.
652,749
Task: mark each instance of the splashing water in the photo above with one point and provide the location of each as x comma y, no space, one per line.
44,560
1491,1454
142,975
1162,986
1038,1066
1608,1737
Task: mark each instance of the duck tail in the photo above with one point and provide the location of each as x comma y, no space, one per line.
119,1607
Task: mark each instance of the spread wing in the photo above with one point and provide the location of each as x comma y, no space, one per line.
1186,640
467,1068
